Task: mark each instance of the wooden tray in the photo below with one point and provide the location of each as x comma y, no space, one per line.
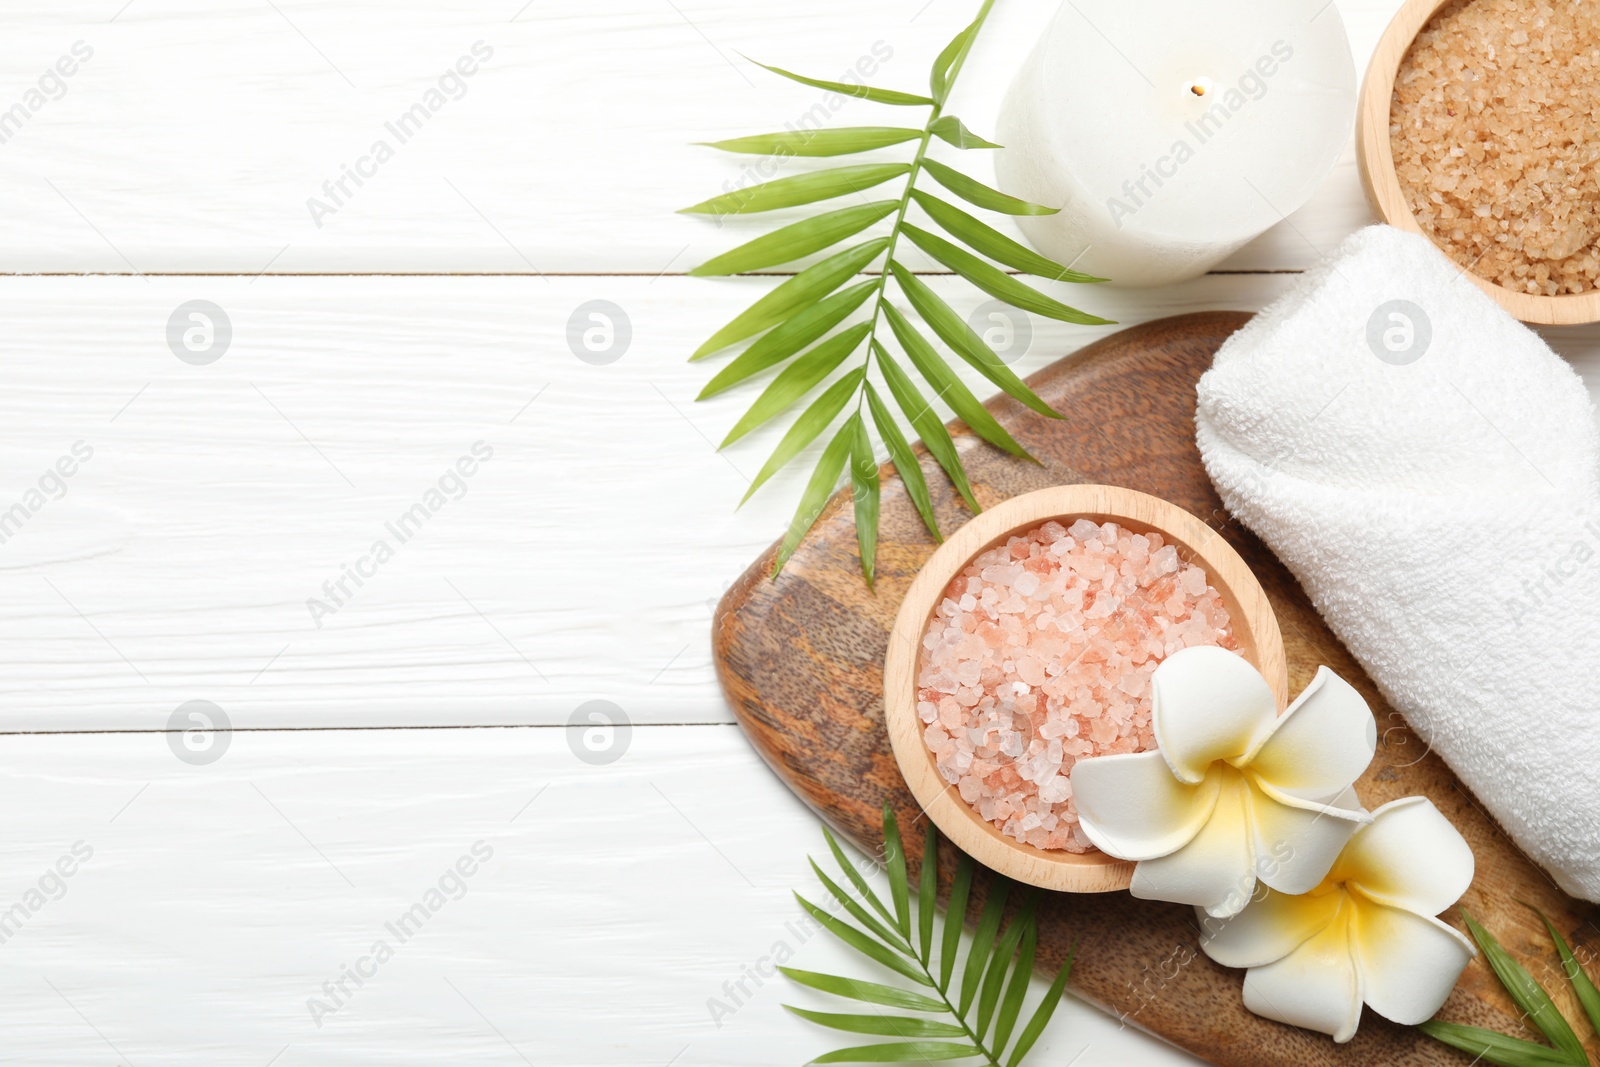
801,661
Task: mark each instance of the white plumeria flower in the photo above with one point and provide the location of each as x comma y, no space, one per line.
1366,934
1234,791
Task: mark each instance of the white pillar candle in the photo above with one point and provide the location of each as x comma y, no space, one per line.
1171,132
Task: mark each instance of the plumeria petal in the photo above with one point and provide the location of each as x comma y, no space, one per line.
1216,870
1274,925
1410,857
1132,807
1408,963
1321,744
1316,986
1208,704
1297,841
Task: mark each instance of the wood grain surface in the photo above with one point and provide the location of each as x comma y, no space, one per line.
800,660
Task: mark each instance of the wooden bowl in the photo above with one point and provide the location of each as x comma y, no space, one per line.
1255,627
1375,160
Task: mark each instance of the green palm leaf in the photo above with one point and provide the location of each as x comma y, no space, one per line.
842,141
859,913
989,956
1492,1047
801,311
800,189
797,240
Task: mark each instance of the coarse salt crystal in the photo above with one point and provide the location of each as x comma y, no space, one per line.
1040,655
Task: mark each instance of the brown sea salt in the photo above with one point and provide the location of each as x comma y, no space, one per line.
1495,127
1041,654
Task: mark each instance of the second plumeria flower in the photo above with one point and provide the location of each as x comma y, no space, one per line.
1233,792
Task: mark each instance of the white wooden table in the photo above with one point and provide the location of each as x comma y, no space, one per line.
420,717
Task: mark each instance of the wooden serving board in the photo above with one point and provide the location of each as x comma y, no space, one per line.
801,662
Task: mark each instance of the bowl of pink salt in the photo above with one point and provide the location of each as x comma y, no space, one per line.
1027,642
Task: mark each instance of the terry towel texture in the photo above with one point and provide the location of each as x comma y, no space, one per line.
1441,506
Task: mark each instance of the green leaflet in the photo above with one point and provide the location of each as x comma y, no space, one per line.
797,240
884,1025
935,437
863,943
951,130
982,942
994,244
952,390
905,465
976,192
795,294
841,141
859,913
955,914
994,975
855,877
815,497
948,62
1529,994
1492,1047
798,379
927,881
864,92
864,491
867,992
806,428
785,340
894,860
954,332
900,1052
1041,1014
800,189
1011,1003
1582,985
996,282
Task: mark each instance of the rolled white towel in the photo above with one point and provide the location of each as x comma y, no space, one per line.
1430,472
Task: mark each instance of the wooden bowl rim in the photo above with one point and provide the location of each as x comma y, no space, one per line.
1255,624
1375,161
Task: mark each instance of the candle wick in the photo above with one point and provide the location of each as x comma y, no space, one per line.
1200,86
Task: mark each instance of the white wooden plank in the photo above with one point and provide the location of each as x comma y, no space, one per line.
615,902
194,136
582,562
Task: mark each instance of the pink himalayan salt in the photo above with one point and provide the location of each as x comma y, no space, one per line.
1040,655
